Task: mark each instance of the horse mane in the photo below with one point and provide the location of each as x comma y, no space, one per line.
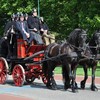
92,42
73,37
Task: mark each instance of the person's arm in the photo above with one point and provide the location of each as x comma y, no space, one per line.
18,26
27,29
29,22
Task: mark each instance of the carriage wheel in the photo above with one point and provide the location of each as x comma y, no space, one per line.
3,70
30,80
18,75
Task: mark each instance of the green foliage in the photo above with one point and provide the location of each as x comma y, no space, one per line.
62,16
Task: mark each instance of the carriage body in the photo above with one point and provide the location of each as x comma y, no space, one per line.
22,69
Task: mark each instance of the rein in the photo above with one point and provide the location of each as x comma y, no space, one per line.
75,47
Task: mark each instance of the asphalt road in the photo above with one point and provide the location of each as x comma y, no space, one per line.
38,91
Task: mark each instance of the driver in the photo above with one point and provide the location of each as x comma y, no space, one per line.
35,26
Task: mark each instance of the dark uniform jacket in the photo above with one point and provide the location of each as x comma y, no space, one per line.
25,26
34,22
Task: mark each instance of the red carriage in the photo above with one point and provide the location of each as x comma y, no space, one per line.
23,67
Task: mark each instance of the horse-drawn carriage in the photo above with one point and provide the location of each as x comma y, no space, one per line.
21,65
39,61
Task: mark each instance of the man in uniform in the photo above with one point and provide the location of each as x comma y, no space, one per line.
35,26
22,26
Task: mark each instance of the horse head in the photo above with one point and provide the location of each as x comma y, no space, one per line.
78,38
12,31
97,38
82,37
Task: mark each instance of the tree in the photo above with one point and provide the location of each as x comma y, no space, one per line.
62,16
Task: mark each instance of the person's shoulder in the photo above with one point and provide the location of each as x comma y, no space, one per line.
17,22
25,21
30,16
37,17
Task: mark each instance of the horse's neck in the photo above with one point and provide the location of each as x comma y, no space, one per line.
92,42
73,42
92,45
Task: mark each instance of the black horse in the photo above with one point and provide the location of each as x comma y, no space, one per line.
91,57
8,43
63,54
77,39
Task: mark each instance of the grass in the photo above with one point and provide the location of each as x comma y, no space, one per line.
58,70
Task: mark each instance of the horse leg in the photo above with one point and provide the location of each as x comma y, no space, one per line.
93,87
66,78
85,77
48,74
74,85
51,84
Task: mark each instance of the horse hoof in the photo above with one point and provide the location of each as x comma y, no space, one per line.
82,85
73,90
94,88
76,86
66,87
54,88
49,87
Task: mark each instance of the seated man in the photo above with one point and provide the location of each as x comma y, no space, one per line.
35,26
24,30
48,38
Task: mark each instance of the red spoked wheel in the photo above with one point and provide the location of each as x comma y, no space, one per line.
3,70
18,75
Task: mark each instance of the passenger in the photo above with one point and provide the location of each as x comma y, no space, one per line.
48,38
35,26
17,16
24,30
